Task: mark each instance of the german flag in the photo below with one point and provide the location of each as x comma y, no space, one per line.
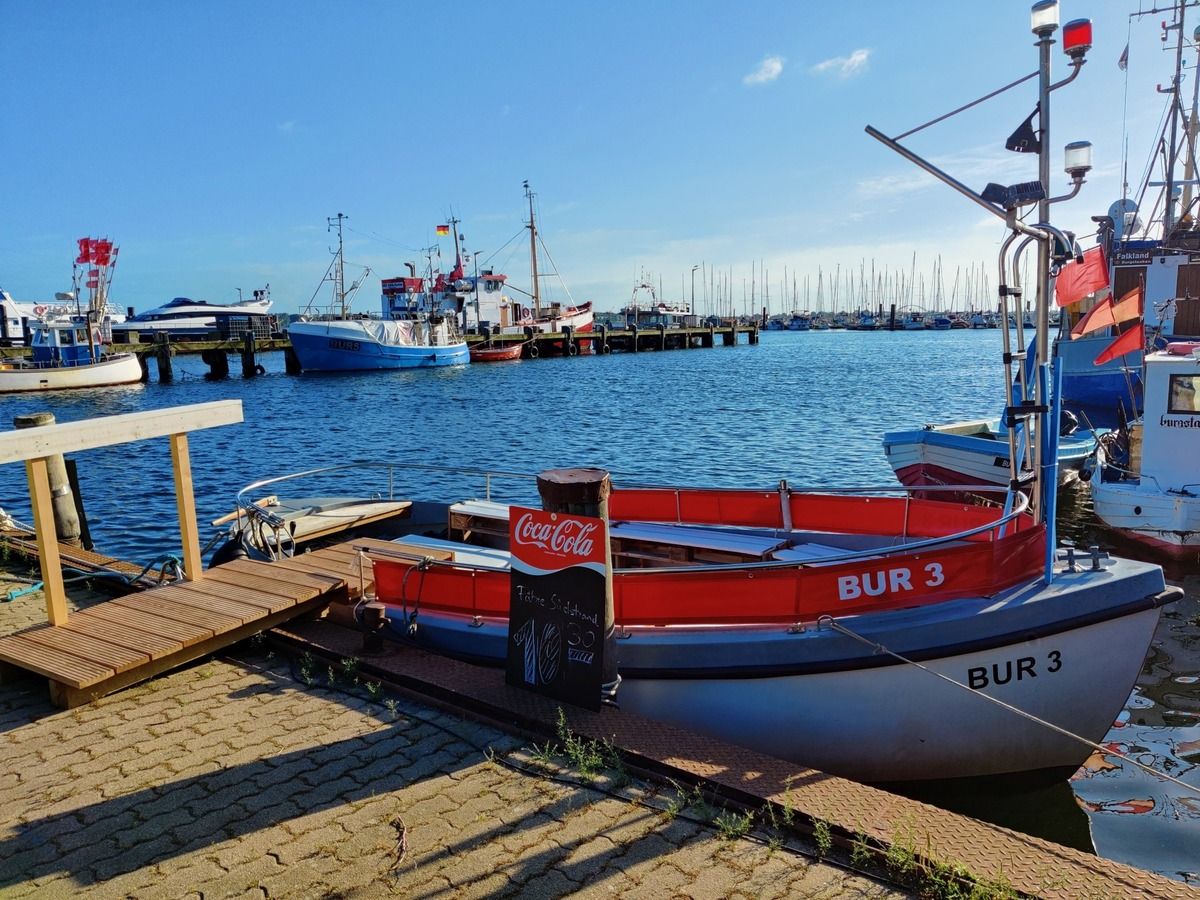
443,230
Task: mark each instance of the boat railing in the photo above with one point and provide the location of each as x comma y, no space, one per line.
245,497
1019,507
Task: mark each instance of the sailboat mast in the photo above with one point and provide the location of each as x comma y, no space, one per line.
537,294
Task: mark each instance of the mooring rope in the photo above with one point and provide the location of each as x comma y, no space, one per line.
880,648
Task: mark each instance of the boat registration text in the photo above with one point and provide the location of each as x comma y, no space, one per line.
341,344
888,581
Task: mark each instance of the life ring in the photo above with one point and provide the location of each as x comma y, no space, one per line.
40,310
572,349
605,348
533,351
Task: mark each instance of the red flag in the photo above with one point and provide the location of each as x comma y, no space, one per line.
85,251
93,283
1131,341
100,252
1077,280
1106,313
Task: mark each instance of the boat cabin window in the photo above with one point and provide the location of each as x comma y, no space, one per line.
66,337
1184,398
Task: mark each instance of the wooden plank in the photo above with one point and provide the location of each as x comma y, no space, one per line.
168,608
103,431
87,646
264,602
184,634
185,502
55,664
153,645
65,695
53,589
243,612
276,586
272,570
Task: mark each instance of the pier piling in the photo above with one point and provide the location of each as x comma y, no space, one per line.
62,501
249,365
217,362
162,352
291,362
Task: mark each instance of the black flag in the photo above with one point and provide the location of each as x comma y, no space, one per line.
1025,139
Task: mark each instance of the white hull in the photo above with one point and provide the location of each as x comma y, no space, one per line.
580,321
123,368
899,723
1170,522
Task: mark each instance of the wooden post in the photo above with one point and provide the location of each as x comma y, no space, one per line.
291,362
892,319
584,492
66,517
662,336
189,534
633,339
248,361
43,524
163,354
141,358
753,335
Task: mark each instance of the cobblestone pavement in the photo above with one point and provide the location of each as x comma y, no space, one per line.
233,779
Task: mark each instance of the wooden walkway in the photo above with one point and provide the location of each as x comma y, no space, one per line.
126,640
24,543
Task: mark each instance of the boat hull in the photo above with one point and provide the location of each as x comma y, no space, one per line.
124,368
1169,523
496,354
347,346
927,457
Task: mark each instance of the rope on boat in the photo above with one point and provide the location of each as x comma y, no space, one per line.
1107,751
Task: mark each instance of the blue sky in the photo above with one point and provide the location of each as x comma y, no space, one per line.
212,140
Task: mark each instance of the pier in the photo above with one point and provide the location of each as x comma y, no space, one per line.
246,350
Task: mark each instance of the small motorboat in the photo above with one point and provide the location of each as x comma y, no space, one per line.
490,351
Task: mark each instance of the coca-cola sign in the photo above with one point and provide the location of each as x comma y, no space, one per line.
550,541
556,605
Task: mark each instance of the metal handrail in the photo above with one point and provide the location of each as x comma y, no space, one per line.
1020,506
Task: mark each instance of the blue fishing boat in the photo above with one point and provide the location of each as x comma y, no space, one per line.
339,341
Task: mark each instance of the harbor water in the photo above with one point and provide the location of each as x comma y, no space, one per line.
810,407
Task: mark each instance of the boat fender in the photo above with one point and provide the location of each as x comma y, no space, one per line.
533,351
1068,423
605,348
572,349
260,369
1175,348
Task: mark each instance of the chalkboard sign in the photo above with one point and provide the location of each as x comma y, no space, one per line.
556,605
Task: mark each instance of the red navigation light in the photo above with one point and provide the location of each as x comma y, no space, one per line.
1077,38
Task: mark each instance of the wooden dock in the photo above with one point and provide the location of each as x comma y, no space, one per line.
567,342
120,642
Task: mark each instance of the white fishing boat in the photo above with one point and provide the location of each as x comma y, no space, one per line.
1147,483
863,631
339,341
69,351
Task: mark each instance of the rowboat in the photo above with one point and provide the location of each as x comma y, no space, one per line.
489,352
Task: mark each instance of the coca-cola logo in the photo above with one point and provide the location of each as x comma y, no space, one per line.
564,537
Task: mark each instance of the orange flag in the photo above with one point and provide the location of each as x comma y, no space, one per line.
1077,280
1107,313
1131,341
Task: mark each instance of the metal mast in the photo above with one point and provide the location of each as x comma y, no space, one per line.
537,294
339,270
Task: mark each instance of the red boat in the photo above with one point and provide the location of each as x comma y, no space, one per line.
490,352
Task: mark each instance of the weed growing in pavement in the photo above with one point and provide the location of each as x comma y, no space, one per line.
822,837
374,689
733,825
391,704
861,853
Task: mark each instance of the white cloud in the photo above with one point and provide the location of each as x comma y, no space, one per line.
844,66
768,70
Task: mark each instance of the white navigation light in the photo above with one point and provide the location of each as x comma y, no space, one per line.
1043,18
1077,159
